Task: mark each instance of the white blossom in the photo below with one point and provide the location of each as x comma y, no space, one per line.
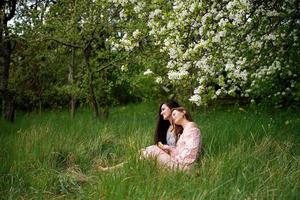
122,14
136,33
158,80
124,68
177,75
154,13
148,72
221,47
195,99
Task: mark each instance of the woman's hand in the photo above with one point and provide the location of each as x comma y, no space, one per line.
160,145
166,148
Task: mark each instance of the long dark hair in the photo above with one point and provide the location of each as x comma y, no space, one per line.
163,125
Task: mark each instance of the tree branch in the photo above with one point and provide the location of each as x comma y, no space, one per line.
64,43
110,64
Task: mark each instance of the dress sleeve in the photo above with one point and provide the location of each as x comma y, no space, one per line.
187,152
172,149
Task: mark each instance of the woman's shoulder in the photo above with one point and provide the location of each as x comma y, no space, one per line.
191,128
192,125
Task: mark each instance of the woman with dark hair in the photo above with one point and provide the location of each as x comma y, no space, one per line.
186,151
163,131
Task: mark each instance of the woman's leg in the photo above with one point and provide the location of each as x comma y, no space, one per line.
156,153
151,151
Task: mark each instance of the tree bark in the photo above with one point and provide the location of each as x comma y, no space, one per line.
8,99
103,104
87,52
71,82
8,108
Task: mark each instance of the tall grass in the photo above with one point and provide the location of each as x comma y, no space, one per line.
248,153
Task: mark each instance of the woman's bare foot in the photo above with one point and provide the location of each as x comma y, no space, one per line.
100,168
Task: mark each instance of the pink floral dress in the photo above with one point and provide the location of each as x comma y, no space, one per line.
183,155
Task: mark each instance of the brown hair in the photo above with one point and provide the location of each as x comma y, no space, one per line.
177,128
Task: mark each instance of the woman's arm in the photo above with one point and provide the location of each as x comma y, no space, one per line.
167,148
188,146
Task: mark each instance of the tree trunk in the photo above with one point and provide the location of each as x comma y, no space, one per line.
8,108
104,108
93,100
71,81
7,96
92,94
40,106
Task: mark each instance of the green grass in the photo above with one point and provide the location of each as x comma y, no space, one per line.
249,153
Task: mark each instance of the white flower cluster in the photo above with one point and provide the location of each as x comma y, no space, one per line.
126,42
159,80
124,68
196,99
148,72
123,15
222,41
122,2
177,75
156,12
219,48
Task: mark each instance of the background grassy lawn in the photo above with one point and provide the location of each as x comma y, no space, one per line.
248,153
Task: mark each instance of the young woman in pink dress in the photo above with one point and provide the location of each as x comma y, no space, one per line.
186,151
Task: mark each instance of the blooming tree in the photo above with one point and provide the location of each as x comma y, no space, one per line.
239,48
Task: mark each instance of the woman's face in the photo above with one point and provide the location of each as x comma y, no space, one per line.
165,112
177,116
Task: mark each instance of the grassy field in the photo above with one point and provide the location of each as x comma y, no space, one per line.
249,153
